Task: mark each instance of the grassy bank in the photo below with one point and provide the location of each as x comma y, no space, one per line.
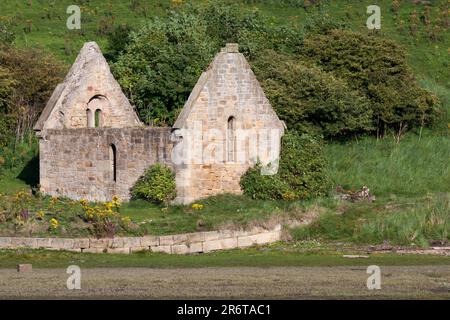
414,167
410,179
411,182
416,221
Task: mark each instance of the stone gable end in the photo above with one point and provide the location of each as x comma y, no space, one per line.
237,125
88,88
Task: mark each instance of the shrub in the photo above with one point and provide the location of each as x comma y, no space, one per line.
150,67
303,166
104,218
157,185
376,67
264,187
301,173
118,39
311,100
7,36
27,79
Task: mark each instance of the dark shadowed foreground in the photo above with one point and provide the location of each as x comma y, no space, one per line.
431,282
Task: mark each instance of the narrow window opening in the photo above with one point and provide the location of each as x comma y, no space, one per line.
231,139
113,160
98,118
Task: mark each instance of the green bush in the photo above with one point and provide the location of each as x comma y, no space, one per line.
301,173
7,36
303,166
264,187
311,100
378,68
157,185
118,39
150,67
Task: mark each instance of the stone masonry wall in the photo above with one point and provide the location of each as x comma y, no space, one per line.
174,244
79,163
227,91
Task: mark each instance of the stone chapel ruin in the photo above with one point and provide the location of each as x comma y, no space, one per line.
93,145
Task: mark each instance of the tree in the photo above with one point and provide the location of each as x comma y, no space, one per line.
27,79
376,67
162,63
164,59
311,100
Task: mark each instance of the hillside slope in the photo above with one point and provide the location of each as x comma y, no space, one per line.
42,23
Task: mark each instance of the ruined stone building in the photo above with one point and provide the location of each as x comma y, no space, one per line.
93,145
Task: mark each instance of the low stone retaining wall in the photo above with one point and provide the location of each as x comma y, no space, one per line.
175,244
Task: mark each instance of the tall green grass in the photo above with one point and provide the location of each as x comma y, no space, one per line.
429,221
413,167
399,222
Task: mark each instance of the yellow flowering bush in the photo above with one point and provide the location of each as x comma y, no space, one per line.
105,217
54,223
40,215
288,196
197,206
22,196
116,202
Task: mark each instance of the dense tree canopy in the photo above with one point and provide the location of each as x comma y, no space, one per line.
162,63
27,79
164,59
377,68
320,77
311,100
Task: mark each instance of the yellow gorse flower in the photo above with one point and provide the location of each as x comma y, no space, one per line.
54,223
40,214
116,202
22,196
126,220
197,206
54,200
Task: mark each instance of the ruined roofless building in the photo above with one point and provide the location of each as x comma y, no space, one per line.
93,145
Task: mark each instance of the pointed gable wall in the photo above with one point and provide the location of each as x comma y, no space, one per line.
227,125
88,85
228,88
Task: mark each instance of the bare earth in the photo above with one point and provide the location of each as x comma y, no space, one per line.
431,282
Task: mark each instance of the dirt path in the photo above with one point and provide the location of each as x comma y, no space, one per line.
290,283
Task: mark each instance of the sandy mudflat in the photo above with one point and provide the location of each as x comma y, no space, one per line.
264,283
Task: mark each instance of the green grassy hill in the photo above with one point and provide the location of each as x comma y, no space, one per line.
42,23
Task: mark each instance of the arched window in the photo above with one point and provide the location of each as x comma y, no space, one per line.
113,161
99,106
231,139
90,122
98,118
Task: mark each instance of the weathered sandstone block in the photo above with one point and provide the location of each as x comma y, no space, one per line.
164,249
